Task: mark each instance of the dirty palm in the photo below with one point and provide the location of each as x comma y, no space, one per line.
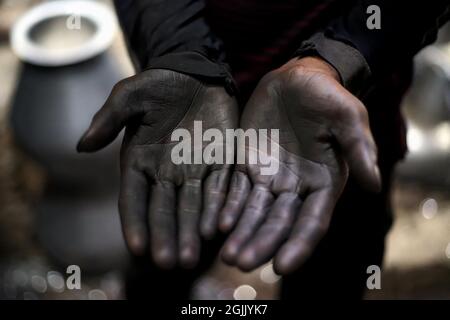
167,207
162,204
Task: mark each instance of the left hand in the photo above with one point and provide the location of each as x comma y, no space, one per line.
324,132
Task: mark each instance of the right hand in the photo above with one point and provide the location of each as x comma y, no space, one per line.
163,205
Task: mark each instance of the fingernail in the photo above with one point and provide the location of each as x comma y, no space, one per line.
208,233
81,145
136,244
188,257
246,260
164,258
226,224
229,253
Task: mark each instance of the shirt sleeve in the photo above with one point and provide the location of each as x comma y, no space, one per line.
174,35
361,54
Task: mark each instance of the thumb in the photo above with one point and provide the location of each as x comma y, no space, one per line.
108,121
359,150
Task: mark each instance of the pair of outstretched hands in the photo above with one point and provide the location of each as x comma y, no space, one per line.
323,134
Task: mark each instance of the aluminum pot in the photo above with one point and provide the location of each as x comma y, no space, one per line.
67,73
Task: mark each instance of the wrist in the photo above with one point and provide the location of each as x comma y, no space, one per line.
313,63
197,65
354,72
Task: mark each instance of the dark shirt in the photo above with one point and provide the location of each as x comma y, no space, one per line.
260,35
221,40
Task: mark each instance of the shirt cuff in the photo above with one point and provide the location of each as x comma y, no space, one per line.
350,64
198,66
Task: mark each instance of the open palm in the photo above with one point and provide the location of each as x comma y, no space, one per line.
163,204
323,131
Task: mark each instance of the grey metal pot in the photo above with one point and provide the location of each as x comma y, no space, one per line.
59,90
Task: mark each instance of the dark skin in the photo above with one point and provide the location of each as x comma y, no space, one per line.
163,205
324,134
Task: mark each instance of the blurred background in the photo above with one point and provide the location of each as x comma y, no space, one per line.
58,208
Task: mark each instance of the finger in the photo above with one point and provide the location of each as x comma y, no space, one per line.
215,192
235,202
109,120
255,211
189,206
311,225
162,224
272,233
133,200
358,146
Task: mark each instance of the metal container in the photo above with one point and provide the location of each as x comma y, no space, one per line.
66,76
